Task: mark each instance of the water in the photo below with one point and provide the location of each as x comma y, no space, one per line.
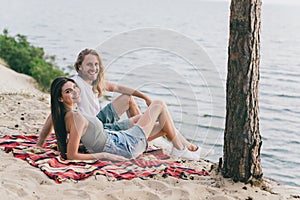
171,70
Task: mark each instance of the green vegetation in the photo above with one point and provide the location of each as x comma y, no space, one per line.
25,58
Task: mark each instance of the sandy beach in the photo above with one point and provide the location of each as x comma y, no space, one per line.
24,109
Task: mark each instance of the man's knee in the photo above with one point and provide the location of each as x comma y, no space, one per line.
131,101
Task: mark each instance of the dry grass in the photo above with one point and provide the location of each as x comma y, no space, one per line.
3,62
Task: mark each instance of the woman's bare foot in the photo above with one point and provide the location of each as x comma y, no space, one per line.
192,147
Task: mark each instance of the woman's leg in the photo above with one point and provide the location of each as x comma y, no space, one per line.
126,103
190,146
147,121
157,132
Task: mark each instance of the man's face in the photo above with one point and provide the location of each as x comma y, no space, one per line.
89,68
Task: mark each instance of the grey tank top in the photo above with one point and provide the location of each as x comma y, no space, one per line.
95,137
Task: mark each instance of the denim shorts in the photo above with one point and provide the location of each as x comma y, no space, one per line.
129,144
110,119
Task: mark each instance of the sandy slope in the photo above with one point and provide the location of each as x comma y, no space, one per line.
23,111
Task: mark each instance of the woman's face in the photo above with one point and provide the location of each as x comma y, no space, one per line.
70,94
89,68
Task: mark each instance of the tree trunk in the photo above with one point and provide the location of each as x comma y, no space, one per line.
242,140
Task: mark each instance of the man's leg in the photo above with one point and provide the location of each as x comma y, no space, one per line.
133,109
126,103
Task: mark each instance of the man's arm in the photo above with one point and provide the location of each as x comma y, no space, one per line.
46,130
126,90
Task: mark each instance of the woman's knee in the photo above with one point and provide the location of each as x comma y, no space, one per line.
159,103
157,106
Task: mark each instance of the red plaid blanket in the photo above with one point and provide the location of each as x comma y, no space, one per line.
152,163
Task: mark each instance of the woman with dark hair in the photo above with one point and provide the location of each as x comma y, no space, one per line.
71,127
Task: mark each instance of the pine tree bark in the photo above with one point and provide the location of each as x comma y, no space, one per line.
242,139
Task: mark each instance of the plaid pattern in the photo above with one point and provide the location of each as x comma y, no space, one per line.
152,163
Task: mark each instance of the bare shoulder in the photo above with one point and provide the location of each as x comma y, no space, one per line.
73,115
75,121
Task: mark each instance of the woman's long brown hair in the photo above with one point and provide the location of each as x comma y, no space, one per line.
58,113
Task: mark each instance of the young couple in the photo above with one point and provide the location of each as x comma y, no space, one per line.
100,131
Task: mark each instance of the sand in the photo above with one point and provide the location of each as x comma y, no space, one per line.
24,109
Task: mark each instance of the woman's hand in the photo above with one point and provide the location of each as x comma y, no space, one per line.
109,156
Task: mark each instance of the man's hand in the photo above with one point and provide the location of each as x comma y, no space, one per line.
148,101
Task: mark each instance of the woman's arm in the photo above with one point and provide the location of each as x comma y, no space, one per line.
46,130
126,90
